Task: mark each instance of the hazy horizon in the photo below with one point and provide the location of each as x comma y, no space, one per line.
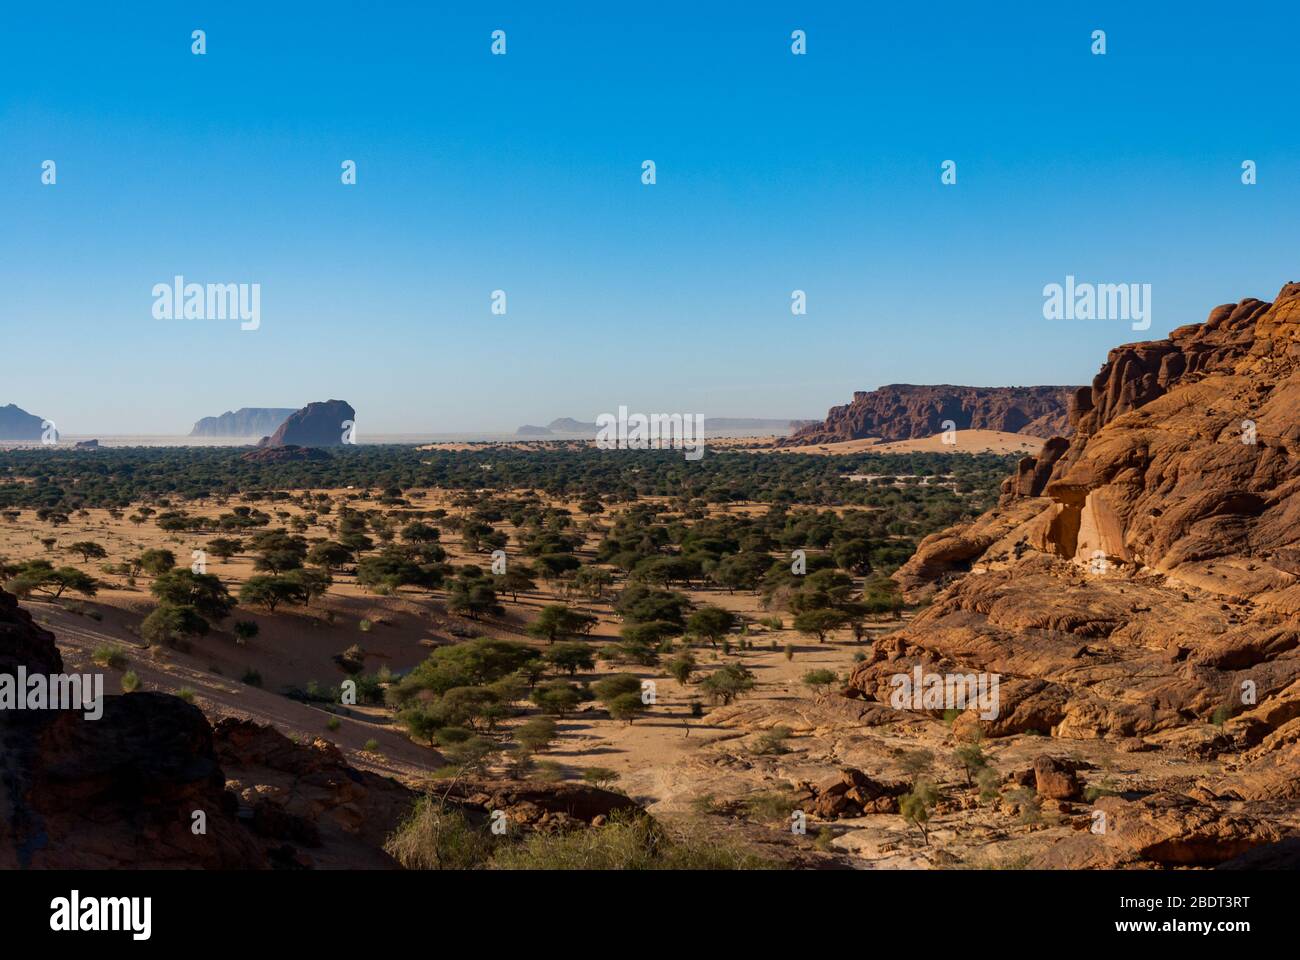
478,173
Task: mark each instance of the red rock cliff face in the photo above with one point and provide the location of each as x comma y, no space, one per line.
1134,578
905,411
1184,452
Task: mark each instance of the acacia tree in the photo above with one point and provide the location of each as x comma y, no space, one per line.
818,623
556,620
516,578
711,623
202,592
89,550
270,592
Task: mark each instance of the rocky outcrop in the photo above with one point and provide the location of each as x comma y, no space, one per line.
143,786
244,422
118,791
1163,829
1056,779
1144,576
904,411
306,803
541,807
850,793
19,425
324,424
86,445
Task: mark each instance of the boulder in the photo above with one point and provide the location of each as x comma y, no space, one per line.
1055,780
322,424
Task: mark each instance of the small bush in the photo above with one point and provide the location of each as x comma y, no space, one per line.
109,655
600,776
438,837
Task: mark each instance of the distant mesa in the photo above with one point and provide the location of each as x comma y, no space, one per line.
17,424
289,453
87,445
321,424
713,426
905,411
244,422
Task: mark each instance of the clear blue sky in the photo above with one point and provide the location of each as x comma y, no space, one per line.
522,172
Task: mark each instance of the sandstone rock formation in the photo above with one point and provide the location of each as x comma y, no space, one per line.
306,803
321,424
851,793
18,424
547,808
1143,580
244,422
904,411
117,791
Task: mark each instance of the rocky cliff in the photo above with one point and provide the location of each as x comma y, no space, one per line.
1143,580
17,424
244,422
322,424
904,411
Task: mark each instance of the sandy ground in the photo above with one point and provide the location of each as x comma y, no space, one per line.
967,441
677,765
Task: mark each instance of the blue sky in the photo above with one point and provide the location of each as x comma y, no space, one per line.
522,173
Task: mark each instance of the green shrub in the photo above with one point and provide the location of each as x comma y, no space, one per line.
435,836
110,655
628,842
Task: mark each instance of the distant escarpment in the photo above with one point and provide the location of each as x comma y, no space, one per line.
244,422
327,423
904,411
17,424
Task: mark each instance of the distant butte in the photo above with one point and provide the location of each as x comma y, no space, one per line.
905,411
